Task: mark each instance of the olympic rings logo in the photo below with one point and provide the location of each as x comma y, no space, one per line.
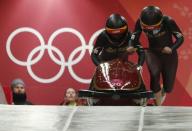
43,46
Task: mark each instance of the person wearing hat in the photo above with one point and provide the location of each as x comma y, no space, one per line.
19,93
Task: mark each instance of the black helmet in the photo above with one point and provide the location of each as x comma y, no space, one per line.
116,27
151,17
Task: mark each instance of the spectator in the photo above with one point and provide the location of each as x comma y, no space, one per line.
19,93
2,96
71,97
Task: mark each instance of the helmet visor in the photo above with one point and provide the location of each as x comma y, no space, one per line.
116,31
151,27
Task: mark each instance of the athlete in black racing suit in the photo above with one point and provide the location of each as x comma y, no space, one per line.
161,57
113,42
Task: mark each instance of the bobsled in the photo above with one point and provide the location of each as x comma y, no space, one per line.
117,82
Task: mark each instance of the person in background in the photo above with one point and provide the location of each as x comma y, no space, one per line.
19,92
161,56
2,96
71,98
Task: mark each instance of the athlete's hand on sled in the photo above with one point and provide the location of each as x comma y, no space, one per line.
139,68
131,49
166,50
